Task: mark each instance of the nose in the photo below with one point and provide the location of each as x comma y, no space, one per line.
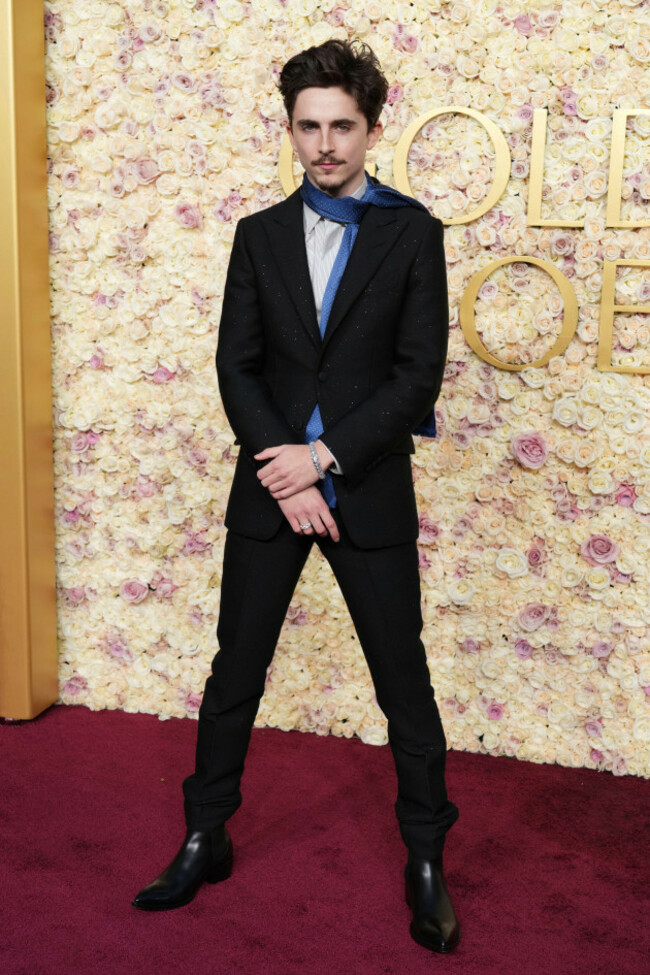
325,146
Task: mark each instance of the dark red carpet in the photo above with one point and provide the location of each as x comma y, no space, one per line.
548,866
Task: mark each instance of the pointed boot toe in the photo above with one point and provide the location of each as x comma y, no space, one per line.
434,924
204,857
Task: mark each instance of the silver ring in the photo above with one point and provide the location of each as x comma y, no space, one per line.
303,528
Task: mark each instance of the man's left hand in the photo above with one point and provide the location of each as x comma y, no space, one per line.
291,468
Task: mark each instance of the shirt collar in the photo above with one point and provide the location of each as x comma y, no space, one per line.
312,218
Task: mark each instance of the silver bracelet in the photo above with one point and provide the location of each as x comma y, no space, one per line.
314,457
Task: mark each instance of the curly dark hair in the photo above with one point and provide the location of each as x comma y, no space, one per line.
350,65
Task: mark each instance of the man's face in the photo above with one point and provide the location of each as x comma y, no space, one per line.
331,137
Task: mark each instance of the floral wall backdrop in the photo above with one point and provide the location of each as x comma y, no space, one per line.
164,129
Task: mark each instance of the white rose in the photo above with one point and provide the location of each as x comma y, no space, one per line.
598,578
511,562
461,591
600,482
565,411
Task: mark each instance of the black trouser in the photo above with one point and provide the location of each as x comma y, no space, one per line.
382,590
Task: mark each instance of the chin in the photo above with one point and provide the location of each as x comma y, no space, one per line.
332,189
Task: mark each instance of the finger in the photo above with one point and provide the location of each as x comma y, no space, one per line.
331,527
286,491
265,471
318,525
274,481
268,452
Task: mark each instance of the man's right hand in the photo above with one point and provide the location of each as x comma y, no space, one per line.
309,507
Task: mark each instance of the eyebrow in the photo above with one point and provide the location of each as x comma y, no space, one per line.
336,121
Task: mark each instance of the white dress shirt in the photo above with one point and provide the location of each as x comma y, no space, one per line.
323,239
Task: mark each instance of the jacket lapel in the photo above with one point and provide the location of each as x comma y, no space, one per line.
378,233
287,237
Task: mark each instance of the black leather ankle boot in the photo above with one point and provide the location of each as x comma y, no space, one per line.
204,856
434,923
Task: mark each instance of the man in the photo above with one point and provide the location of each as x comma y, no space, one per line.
331,351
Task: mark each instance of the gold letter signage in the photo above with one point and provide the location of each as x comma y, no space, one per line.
608,308
569,321
616,169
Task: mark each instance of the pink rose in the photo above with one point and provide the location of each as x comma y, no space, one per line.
79,443
188,215
150,32
469,645
529,449
146,170
193,702
183,81
495,711
523,649
76,685
599,550
626,495
165,588
145,488
196,542
429,531
75,595
118,650
593,729
536,556
601,649
596,756
532,616
133,591
395,92
162,375
523,25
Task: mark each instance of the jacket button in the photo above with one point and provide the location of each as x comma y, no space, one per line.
322,376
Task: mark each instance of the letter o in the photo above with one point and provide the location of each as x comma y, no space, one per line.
569,320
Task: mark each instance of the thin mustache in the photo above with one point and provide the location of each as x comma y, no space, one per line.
328,159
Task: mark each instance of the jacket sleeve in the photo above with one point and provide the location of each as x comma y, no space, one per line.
369,431
256,421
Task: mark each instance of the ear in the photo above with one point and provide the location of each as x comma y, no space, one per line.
373,135
290,134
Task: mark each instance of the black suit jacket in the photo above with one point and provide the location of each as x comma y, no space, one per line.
375,374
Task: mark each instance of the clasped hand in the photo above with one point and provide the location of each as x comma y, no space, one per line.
290,478
290,470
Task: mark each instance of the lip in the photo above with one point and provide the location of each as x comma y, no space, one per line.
327,166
